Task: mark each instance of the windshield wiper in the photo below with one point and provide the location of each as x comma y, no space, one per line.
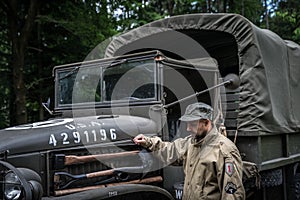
70,73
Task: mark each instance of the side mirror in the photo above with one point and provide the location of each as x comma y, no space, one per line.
47,106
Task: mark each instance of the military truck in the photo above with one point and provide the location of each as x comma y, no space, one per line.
142,85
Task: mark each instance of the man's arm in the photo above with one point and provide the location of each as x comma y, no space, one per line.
230,173
168,152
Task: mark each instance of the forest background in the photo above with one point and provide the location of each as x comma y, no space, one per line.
36,35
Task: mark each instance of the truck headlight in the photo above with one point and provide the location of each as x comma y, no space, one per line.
12,187
19,183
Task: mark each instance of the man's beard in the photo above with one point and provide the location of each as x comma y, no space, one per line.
200,137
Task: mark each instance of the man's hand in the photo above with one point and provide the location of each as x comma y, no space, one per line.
140,140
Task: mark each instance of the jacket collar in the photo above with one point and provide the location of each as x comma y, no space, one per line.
211,135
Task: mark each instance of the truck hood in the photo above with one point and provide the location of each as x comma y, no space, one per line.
71,132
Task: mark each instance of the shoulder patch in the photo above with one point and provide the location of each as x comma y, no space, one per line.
230,188
229,168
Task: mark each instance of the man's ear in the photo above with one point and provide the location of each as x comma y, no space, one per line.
206,122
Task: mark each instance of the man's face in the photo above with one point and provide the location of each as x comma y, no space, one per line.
198,128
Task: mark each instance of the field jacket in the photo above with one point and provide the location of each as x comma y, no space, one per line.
212,166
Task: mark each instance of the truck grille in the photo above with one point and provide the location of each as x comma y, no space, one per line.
81,175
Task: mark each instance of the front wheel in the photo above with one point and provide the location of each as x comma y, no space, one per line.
297,186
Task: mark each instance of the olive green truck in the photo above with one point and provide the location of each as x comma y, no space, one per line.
142,85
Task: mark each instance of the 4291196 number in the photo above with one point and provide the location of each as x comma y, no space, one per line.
92,136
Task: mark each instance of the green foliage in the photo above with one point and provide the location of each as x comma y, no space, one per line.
73,29
286,20
4,70
64,32
296,35
131,14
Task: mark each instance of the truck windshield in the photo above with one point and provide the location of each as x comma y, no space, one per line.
102,83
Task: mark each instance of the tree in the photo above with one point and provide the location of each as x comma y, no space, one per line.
67,32
135,13
38,38
286,20
4,81
20,20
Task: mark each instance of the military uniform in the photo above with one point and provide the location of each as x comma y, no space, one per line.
212,166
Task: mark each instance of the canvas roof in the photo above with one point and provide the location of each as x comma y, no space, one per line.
268,66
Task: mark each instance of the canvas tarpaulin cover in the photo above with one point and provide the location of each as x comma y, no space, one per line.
268,66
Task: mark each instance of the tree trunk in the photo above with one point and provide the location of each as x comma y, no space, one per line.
243,8
19,86
170,7
231,6
19,35
208,4
225,6
267,14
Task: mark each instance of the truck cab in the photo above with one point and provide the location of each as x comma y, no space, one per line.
99,107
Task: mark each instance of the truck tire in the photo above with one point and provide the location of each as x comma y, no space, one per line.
297,186
271,178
